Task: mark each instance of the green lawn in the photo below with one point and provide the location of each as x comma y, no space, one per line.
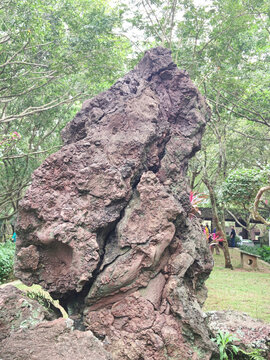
246,291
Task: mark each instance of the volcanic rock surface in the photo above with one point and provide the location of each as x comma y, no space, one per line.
106,227
18,311
53,340
248,333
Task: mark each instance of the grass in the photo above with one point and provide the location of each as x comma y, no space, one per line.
240,290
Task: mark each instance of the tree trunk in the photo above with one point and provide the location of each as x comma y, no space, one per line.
220,228
245,233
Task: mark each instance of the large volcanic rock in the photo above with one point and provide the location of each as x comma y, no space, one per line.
105,224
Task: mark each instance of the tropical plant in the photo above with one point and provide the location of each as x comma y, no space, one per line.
225,345
196,199
229,351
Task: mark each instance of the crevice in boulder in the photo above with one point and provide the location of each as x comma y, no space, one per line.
74,302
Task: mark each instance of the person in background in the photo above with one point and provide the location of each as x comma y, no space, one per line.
232,236
207,232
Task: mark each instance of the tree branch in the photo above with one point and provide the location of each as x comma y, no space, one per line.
236,220
34,110
251,137
255,213
14,55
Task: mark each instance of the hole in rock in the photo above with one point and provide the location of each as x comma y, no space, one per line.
250,262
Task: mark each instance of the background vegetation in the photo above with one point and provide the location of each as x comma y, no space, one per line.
7,251
55,54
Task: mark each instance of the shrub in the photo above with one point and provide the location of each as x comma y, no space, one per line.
250,249
7,251
264,252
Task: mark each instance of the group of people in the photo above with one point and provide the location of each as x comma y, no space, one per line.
215,240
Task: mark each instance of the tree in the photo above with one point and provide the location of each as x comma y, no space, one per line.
225,48
255,211
239,191
53,55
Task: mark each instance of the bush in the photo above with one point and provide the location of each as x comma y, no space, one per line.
264,252
7,251
250,249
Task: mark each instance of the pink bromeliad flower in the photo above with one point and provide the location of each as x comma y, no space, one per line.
195,200
216,238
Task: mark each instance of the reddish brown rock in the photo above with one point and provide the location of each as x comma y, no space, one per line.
107,217
28,258
18,311
52,340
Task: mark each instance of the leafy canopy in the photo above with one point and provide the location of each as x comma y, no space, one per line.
242,185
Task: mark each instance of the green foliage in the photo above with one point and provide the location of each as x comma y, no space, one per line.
264,252
241,187
41,298
254,355
7,251
250,249
225,345
229,351
53,55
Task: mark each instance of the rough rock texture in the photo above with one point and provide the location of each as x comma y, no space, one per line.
251,333
18,311
53,340
106,219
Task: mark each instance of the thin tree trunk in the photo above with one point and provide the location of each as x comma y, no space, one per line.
228,263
